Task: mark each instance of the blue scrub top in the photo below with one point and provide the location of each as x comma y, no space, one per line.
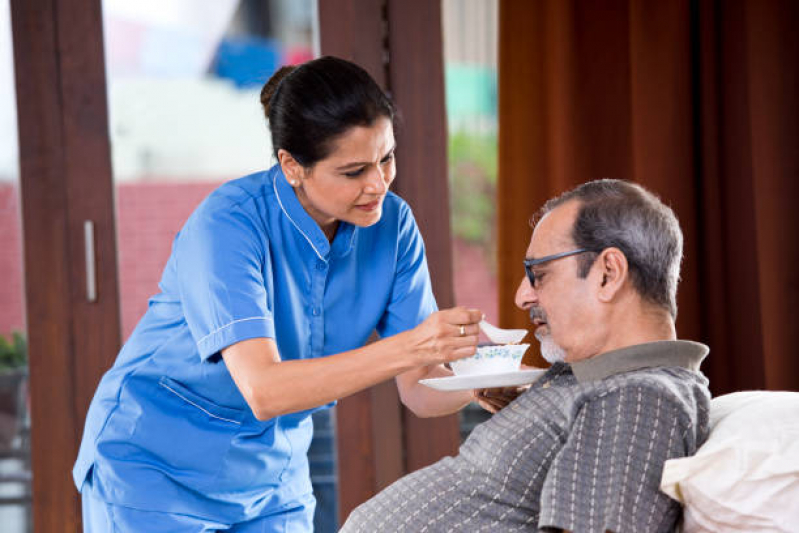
168,430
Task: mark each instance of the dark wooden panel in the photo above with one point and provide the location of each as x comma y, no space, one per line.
355,449
355,30
408,35
369,438
387,434
47,269
90,193
416,79
368,424
65,179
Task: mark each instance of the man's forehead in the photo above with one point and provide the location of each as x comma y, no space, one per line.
552,233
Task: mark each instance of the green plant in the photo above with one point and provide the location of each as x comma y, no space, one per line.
13,354
473,178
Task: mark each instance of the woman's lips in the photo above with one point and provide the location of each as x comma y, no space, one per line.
371,206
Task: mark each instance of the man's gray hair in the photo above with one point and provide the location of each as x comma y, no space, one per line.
624,215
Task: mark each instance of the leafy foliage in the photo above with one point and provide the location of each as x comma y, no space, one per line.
13,353
473,181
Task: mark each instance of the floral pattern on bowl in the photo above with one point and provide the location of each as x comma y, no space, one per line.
493,359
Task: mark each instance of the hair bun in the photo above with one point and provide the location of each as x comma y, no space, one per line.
270,87
307,107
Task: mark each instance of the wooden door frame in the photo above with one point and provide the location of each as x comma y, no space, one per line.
66,187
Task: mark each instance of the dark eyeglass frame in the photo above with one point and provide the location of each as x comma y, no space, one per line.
530,263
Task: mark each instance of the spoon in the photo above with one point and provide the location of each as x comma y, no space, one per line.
502,336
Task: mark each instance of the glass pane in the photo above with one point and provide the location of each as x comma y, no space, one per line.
470,63
184,81
15,472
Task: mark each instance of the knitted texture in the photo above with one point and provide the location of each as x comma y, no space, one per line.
583,457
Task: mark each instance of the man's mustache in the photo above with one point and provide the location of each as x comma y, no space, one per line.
537,313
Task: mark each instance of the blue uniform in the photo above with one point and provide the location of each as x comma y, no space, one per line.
168,430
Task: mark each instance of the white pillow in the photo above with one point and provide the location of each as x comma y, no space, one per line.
745,477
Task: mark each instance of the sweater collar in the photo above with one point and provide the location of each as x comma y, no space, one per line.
686,354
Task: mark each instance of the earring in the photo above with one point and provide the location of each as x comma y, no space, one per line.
293,183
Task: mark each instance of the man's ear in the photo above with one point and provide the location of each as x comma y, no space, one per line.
292,169
614,271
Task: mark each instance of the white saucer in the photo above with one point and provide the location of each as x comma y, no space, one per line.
484,381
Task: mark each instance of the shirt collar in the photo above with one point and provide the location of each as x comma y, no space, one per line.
686,354
342,242
307,226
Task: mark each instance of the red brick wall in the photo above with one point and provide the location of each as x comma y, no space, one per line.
148,217
12,307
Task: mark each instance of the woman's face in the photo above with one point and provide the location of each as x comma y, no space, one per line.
351,183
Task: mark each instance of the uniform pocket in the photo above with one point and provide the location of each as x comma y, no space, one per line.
212,410
182,434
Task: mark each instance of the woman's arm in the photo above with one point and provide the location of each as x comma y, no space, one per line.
425,402
273,387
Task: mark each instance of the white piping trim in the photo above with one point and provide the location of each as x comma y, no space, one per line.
279,201
230,324
206,411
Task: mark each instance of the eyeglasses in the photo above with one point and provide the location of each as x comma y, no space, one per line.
530,263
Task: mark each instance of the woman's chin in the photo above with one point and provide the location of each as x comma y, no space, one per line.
366,219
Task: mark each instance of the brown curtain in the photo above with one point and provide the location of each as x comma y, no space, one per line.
696,100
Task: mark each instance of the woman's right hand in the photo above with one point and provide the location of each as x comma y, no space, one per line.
445,336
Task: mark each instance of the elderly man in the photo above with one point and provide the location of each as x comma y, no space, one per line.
583,448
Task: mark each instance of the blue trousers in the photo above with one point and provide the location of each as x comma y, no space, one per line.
102,517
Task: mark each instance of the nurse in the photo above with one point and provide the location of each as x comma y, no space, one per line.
274,285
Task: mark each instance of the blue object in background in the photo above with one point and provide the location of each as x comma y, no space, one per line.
246,60
322,462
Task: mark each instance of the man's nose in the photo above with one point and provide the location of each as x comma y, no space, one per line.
525,294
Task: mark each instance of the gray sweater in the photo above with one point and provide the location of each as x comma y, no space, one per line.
583,450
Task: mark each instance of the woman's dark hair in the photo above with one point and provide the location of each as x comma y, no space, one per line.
310,105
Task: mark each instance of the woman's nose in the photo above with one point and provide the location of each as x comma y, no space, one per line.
376,183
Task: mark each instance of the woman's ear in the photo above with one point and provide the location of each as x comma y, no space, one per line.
292,169
613,273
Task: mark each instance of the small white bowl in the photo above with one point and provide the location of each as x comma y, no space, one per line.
494,359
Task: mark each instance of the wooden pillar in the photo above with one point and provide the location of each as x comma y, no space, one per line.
416,81
66,186
399,43
369,423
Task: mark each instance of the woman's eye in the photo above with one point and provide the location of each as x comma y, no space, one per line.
354,173
387,159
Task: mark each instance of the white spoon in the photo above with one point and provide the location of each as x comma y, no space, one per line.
502,336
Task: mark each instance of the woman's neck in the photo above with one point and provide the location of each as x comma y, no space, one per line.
330,230
329,226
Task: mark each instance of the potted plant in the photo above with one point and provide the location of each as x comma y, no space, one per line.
13,377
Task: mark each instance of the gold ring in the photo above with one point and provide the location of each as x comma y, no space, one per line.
462,330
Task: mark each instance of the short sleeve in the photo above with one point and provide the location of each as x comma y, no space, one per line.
607,475
220,256
411,295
